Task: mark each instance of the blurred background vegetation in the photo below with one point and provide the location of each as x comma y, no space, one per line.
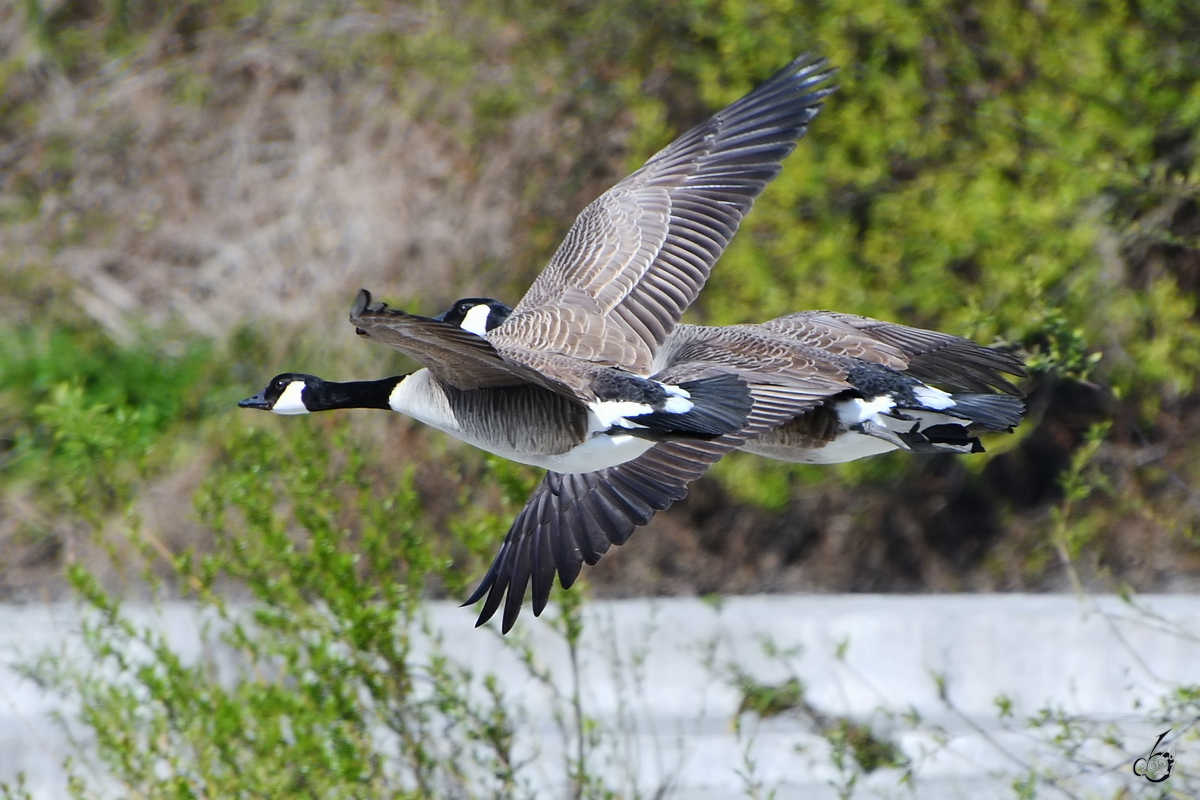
192,193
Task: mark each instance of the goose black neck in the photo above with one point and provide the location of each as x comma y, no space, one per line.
352,394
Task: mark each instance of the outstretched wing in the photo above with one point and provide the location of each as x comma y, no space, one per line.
639,255
924,354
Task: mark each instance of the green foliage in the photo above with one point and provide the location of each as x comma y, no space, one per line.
959,162
84,414
1070,533
164,387
89,444
1054,347
324,679
769,701
869,751
79,35
15,791
328,696
854,746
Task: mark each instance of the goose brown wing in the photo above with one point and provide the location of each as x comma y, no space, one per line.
454,355
761,356
829,334
639,255
928,355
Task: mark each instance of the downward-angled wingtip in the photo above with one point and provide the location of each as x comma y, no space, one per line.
485,584
481,590
812,69
486,614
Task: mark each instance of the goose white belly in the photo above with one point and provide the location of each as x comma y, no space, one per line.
554,443
849,446
600,451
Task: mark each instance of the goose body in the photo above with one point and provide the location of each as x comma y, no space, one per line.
866,398
524,423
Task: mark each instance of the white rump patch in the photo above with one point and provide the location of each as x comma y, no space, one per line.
291,402
677,405
608,413
677,400
476,319
933,398
856,411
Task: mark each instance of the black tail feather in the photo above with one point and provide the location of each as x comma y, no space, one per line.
996,412
720,404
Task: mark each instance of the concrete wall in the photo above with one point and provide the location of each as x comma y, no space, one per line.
656,675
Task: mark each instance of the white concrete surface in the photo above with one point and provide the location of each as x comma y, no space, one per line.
656,676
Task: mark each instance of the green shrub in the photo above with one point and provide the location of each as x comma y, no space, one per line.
84,415
327,697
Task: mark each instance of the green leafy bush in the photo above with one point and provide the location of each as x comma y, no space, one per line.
83,412
328,696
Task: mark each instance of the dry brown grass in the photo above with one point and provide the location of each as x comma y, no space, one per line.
272,201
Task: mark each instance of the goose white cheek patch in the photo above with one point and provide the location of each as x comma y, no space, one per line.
291,402
476,320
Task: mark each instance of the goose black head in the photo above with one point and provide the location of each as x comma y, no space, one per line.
288,393
297,393
476,314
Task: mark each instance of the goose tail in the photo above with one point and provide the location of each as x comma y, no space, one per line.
703,408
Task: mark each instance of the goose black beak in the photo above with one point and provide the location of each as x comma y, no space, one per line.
258,401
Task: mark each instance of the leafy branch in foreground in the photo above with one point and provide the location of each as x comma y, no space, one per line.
326,684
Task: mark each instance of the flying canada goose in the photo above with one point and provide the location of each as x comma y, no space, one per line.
827,388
